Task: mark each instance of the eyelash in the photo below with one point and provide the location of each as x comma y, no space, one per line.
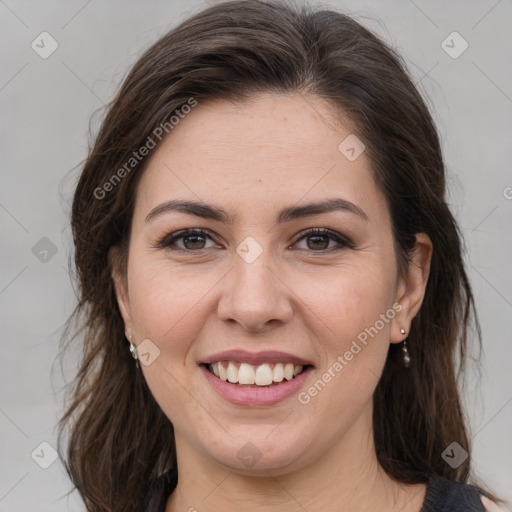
168,240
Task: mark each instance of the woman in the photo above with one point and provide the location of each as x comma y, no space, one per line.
261,223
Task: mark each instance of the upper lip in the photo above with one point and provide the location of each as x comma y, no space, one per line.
256,358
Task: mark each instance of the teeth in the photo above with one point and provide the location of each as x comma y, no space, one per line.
223,374
264,375
247,374
288,371
278,372
232,373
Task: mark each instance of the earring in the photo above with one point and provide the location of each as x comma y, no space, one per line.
407,357
133,349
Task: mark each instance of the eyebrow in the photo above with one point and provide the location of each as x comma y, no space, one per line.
289,213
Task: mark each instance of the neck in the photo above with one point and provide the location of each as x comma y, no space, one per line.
348,475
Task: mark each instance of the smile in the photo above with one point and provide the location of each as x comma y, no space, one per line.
248,375
255,395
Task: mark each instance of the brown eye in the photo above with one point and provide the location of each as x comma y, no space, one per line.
318,240
193,240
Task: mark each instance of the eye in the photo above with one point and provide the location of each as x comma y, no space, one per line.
321,238
193,240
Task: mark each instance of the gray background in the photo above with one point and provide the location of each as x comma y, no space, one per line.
46,105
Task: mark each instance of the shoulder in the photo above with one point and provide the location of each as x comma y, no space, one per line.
158,492
445,495
490,506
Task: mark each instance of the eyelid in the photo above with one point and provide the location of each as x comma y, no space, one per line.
342,241
167,240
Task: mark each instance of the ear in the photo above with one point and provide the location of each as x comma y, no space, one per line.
118,275
411,289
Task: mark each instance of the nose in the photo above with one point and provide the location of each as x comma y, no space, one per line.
255,296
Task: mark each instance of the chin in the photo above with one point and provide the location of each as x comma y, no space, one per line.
258,450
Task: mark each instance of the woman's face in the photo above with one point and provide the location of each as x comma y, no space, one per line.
257,289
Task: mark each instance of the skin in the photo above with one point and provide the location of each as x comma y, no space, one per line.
253,159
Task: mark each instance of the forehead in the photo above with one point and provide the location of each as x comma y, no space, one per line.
249,157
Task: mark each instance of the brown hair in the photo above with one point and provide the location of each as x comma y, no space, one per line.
119,438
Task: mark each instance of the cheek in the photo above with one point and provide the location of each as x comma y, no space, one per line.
352,320
347,301
167,304
168,308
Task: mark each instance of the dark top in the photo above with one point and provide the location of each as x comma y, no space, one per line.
442,495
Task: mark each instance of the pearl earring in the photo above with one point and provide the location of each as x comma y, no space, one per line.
133,349
406,356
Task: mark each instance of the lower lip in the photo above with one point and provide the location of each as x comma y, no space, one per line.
251,397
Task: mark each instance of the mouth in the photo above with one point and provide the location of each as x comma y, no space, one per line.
255,379
261,379
264,375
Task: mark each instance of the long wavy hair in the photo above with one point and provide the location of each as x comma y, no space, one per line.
117,439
